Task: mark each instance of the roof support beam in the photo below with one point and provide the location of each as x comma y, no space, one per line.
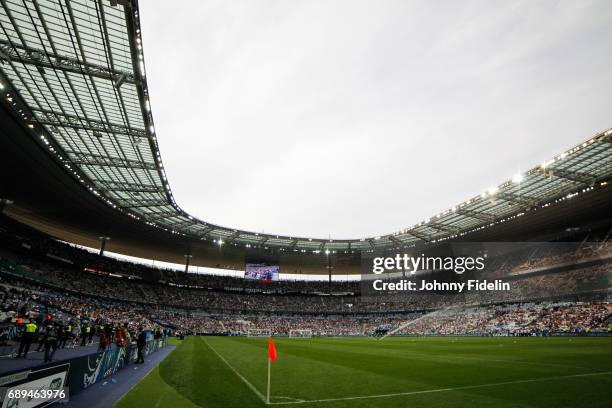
56,119
204,233
160,216
476,214
42,59
94,160
576,177
232,237
141,203
518,199
115,3
182,224
120,186
444,227
371,242
419,235
395,240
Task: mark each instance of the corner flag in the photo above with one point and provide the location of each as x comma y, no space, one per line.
271,350
271,359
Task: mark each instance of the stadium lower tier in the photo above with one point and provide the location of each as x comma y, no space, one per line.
551,293
20,305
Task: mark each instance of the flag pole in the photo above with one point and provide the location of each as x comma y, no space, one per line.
268,394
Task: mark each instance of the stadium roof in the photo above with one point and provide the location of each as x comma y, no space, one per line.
74,73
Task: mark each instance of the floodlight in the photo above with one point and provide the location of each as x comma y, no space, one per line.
517,178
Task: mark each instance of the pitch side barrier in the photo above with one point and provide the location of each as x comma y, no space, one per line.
73,375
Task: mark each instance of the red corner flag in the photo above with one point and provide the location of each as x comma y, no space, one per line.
271,350
271,359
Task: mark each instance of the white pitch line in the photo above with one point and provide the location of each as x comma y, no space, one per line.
467,387
244,380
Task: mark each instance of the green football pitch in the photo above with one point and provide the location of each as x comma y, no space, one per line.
395,372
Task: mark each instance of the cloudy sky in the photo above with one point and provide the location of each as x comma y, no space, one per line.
357,118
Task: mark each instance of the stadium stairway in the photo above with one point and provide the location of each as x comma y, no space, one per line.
414,321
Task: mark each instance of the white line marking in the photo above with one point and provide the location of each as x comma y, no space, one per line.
467,387
244,380
289,398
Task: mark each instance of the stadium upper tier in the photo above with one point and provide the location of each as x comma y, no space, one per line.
73,72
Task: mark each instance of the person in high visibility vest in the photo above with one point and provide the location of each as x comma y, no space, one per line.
85,331
66,334
51,336
41,341
28,335
90,334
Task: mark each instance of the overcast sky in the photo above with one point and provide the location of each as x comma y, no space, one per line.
358,118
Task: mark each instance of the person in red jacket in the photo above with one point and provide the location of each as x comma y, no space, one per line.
120,337
105,339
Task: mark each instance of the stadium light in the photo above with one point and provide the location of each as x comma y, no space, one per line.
4,202
493,189
517,178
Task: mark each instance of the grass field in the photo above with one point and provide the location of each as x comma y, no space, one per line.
395,372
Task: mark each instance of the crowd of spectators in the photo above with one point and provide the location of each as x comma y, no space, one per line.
44,277
516,319
61,319
533,286
506,319
36,251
